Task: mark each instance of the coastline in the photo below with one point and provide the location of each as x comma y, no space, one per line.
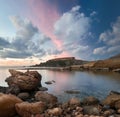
49,105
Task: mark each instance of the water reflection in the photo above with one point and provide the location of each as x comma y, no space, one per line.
98,84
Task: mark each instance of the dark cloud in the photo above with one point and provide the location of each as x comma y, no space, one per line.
3,42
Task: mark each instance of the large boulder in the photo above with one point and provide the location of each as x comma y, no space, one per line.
111,99
26,109
45,97
7,105
27,81
15,73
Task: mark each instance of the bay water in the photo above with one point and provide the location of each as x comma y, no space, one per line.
88,83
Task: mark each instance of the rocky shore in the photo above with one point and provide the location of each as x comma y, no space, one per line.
25,97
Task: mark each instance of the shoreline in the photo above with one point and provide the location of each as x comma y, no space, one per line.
32,100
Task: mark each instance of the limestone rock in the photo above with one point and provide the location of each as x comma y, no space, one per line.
91,110
26,109
23,96
90,101
7,105
111,99
74,101
55,111
27,81
45,97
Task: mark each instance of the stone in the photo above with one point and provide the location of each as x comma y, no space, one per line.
7,105
23,96
48,82
118,111
3,89
55,111
27,81
45,97
80,115
35,74
90,101
26,109
15,73
13,89
74,101
43,88
108,112
111,99
91,110
72,91
117,104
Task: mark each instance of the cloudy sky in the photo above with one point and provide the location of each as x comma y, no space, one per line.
32,31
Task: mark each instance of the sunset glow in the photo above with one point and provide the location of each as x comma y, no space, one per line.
33,31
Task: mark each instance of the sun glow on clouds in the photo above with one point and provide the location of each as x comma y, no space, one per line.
46,34
45,15
65,30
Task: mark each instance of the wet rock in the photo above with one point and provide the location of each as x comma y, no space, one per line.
72,91
90,101
48,82
108,112
91,110
23,96
43,88
7,105
45,97
13,89
74,101
25,81
3,89
117,104
118,111
111,99
26,109
55,111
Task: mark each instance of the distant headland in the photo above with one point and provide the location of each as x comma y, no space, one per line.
71,63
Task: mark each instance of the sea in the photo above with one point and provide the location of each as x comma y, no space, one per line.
87,83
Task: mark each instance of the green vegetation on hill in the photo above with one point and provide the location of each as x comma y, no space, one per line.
62,62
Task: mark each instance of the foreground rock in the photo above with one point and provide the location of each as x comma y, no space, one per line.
45,97
27,81
26,109
113,100
90,101
7,105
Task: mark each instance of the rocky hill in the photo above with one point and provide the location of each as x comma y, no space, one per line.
62,62
107,64
111,63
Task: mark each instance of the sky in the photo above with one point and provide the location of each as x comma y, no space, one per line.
33,31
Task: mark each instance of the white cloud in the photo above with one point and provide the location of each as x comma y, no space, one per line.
28,41
111,40
72,28
100,50
93,13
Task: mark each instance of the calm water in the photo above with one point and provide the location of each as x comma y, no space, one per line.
98,84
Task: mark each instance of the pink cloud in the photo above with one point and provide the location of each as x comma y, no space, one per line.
44,15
